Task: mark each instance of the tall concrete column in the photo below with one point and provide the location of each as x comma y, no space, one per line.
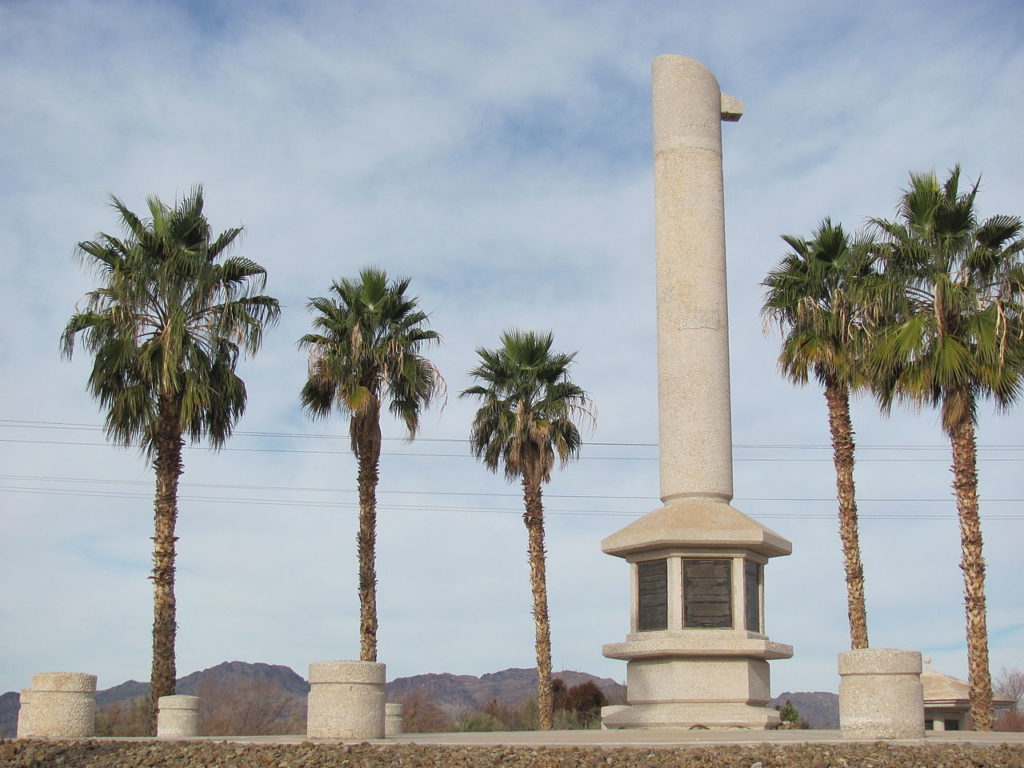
697,653
695,426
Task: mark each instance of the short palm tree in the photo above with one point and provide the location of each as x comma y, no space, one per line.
813,296
529,413
366,350
956,338
165,330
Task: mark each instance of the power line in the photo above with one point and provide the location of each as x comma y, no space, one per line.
412,454
21,423
316,504
385,491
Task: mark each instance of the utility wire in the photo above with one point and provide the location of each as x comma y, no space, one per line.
305,435
382,491
316,504
467,455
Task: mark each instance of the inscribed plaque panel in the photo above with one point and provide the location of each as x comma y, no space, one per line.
652,595
752,595
707,594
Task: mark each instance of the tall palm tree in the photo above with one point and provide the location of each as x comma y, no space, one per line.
366,349
529,414
813,296
956,338
165,329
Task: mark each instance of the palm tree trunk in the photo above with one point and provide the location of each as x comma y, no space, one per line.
534,519
168,469
972,563
838,398
368,456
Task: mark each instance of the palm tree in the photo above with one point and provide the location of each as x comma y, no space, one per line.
956,338
813,297
366,349
165,330
529,413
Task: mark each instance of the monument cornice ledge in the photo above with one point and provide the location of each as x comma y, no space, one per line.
696,643
707,523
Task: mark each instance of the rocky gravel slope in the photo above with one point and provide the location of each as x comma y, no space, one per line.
208,754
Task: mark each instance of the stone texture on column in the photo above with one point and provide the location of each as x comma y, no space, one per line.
346,700
25,714
393,725
177,717
693,320
62,705
880,694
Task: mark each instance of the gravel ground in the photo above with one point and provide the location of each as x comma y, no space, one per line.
148,754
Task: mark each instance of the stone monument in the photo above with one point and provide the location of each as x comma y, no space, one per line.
697,651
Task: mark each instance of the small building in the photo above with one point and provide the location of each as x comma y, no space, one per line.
947,705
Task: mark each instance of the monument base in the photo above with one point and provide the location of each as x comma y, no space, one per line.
704,715
695,691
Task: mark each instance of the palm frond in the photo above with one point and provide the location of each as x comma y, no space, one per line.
367,348
529,408
169,321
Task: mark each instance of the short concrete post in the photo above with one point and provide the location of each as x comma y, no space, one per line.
346,700
393,725
880,694
62,705
610,710
24,713
177,717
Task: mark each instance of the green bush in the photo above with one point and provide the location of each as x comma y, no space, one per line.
479,722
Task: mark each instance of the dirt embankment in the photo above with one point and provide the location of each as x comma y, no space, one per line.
148,754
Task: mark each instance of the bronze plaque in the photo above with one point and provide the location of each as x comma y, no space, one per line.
652,595
752,598
707,594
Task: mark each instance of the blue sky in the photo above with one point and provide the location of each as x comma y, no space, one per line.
499,154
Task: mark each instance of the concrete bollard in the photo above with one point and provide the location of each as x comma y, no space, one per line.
346,700
393,725
24,714
62,705
880,694
177,717
611,709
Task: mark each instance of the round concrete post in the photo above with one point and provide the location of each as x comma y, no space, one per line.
177,717
393,725
346,700
880,694
24,713
610,710
62,705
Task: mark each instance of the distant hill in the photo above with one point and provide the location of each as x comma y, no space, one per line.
819,709
454,694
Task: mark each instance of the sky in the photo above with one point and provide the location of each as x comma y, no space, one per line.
498,154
